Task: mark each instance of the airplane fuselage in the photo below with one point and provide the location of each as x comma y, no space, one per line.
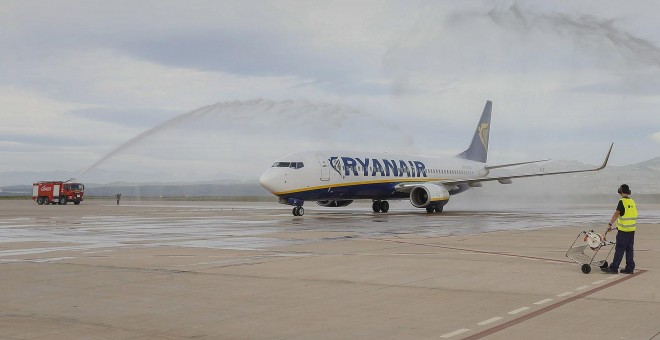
330,175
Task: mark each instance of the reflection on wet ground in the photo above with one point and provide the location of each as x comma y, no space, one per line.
249,225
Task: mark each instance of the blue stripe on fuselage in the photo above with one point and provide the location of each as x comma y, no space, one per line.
358,191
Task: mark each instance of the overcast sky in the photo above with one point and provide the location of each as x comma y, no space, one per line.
79,79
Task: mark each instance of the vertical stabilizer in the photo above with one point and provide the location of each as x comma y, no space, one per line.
478,150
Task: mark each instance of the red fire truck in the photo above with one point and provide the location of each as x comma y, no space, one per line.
57,192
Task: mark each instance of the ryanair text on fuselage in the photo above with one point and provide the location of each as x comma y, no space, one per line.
373,167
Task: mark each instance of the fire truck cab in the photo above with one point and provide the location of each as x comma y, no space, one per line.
57,192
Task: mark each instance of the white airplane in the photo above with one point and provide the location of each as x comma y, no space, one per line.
336,178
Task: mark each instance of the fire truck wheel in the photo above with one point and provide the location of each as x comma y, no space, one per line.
40,200
76,202
62,201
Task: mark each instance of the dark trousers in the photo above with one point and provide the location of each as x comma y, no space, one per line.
624,244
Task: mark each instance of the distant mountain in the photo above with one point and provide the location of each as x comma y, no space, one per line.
643,178
96,176
158,189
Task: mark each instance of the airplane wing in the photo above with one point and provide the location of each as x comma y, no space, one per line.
489,167
507,179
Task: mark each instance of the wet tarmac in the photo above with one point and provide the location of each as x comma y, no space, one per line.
225,270
235,225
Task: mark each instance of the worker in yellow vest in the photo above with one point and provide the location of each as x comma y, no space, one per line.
625,217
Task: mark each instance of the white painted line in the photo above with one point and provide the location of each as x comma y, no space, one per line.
497,318
564,294
542,301
460,331
598,282
522,309
612,277
582,288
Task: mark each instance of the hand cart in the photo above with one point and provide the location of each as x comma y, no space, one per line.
585,254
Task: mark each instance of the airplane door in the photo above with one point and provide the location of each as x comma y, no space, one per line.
325,167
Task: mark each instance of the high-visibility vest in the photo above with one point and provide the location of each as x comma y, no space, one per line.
628,221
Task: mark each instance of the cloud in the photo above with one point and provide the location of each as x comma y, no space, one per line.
562,77
279,40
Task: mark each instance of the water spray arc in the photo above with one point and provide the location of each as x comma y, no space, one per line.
319,121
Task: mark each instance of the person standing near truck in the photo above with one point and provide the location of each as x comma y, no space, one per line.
625,217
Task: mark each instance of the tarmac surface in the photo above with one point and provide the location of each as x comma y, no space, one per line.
219,270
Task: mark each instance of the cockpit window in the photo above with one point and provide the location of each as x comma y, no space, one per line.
292,165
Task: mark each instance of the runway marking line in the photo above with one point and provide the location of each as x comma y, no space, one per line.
491,320
598,282
454,333
526,316
516,311
542,301
564,294
546,309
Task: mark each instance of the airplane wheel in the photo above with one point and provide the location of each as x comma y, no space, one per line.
438,209
384,206
376,206
430,209
298,211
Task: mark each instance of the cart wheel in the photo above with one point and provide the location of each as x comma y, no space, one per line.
586,268
604,265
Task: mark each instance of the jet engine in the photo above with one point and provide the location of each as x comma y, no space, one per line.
425,194
334,204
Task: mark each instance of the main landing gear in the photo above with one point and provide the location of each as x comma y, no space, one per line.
298,211
380,206
434,208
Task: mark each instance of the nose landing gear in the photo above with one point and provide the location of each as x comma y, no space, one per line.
298,211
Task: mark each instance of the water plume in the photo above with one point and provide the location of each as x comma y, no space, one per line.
310,122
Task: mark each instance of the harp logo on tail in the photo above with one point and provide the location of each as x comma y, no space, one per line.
483,134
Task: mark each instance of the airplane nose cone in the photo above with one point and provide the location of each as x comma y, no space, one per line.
268,181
